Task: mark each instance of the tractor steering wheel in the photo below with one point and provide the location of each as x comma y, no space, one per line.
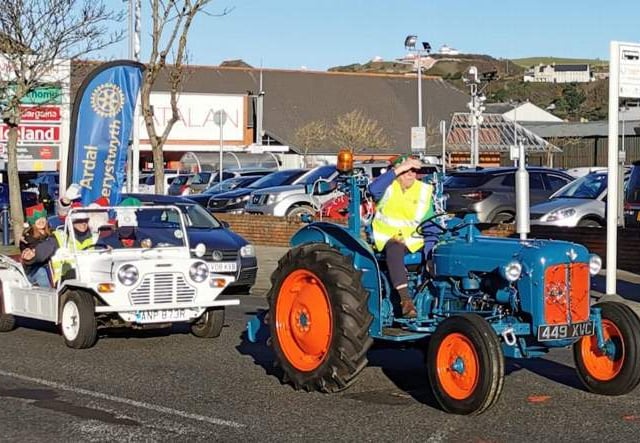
431,222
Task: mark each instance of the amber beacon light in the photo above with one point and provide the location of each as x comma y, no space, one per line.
345,161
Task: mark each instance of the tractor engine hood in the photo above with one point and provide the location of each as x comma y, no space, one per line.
457,256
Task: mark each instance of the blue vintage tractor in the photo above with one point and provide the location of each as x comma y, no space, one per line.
483,299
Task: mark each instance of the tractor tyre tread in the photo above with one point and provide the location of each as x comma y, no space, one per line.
347,355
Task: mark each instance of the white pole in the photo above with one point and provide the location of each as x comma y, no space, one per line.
135,145
612,179
443,132
221,147
419,90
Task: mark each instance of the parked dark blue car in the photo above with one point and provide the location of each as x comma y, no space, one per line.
28,198
227,185
227,252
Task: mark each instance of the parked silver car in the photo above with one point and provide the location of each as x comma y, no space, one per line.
293,200
580,203
491,192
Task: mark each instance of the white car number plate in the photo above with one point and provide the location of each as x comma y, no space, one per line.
223,267
162,315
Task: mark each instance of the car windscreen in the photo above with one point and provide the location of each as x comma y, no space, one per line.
197,217
279,178
201,178
465,181
180,180
315,174
588,187
227,185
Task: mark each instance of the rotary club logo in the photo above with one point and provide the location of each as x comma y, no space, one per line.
107,100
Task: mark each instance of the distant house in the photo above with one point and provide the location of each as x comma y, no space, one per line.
523,112
448,50
559,73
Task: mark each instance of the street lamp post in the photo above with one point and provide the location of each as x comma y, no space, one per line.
410,45
220,118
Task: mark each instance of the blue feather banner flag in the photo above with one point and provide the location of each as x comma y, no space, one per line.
102,121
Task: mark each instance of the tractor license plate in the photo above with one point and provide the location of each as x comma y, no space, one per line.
223,267
162,315
561,332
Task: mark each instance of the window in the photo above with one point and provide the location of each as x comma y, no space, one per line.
536,181
555,182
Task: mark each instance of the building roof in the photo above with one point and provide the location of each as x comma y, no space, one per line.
496,134
571,68
582,130
294,98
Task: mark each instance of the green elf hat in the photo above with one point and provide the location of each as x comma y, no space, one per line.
130,201
35,212
395,161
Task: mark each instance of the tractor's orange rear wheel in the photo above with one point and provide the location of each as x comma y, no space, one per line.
318,318
303,320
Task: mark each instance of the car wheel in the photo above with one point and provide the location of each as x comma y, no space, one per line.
210,324
589,224
78,320
7,321
503,217
297,212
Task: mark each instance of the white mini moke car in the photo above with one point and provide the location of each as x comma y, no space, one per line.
153,279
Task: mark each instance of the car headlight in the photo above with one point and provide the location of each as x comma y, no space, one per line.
199,271
128,275
511,271
247,251
558,215
241,199
595,264
271,199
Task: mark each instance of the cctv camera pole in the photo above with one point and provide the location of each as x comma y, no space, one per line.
220,118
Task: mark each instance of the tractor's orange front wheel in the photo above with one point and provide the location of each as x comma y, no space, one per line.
318,318
465,365
614,367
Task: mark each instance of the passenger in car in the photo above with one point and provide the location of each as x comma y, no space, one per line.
37,245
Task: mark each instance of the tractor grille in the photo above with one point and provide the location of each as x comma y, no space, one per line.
162,288
566,293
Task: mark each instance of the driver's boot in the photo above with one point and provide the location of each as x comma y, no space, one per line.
408,308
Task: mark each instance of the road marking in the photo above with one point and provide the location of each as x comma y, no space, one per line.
127,401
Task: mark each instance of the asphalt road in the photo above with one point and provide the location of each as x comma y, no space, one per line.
170,386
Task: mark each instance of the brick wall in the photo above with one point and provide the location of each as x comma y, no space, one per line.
276,231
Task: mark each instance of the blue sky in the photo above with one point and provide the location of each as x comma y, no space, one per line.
319,34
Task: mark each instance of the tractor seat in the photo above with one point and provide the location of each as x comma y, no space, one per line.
413,261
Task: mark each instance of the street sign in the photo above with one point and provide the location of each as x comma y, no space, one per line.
629,86
220,117
418,139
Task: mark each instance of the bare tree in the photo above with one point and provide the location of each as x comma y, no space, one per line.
171,22
313,134
36,37
354,131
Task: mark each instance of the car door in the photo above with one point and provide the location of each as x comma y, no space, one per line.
537,190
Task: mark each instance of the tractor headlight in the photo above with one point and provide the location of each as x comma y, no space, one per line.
199,271
595,264
128,275
511,271
247,251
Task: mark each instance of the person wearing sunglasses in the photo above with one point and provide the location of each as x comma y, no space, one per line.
402,202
